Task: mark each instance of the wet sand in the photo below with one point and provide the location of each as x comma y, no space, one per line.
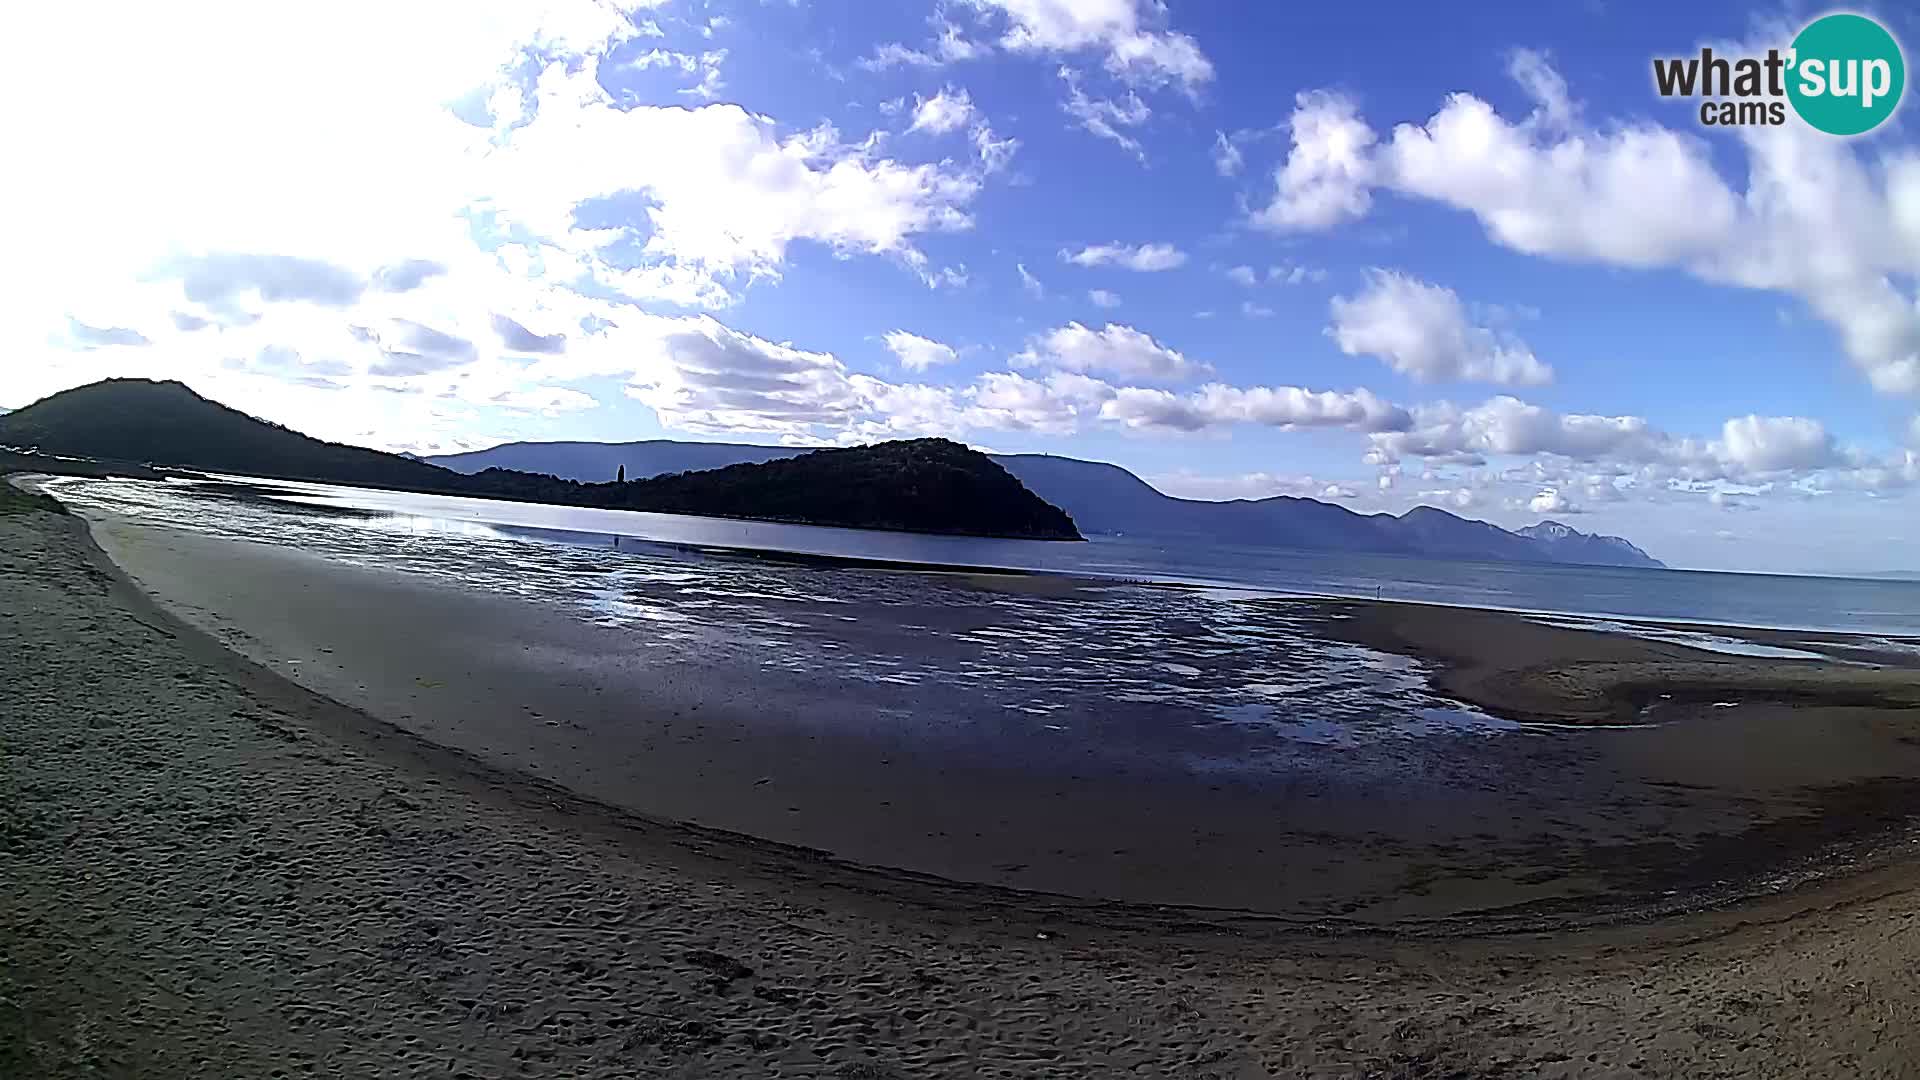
212,872
1317,822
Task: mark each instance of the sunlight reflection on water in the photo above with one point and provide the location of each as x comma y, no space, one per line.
1211,658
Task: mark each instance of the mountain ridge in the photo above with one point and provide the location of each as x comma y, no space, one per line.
920,485
1104,498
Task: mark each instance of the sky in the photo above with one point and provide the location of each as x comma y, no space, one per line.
1382,254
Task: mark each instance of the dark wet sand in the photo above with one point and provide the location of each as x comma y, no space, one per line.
210,872
1519,668
1698,806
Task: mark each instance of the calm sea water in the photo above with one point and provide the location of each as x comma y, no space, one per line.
1809,603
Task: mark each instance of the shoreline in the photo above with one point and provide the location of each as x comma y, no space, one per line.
398,906
1554,673
1459,852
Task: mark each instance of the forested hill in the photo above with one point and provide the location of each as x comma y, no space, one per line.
922,485
137,421
918,485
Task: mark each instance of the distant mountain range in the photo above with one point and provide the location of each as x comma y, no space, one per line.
1107,499
918,485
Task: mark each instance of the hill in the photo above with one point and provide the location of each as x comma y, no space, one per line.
922,485
918,485
1107,499
134,420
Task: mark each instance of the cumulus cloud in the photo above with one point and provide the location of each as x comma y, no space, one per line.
1422,330
917,353
1136,48
1114,349
1328,173
1763,444
1284,407
728,193
1603,457
1145,258
1548,185
1552,501
1103,298
947,111
1510,426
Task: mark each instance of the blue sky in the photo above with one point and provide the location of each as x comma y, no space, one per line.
1384,254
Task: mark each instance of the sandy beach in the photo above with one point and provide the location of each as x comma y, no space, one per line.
213,870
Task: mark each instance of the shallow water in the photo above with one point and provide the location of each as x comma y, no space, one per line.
1743,600
1244,681
1097,738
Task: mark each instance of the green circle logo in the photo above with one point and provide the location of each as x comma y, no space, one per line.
1847,74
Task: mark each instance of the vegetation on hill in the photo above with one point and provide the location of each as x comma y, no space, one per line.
165,423
922,485
918,485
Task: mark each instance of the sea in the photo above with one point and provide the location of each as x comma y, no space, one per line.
1789,602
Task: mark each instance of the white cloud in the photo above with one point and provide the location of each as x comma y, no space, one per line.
1030,283
1116,349
1105,117
1145,258
1103,298
893,54
1913,432
947,111
1551,501
1187,484
917,353
1605,458
729,193
704,64
1254,310
1761,444
1547,185
1327,174
701,376
1509,426
1122,29
1283,407
1582,197
1288,274
994,153
1422,330
1535,74
1228,159
949,46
